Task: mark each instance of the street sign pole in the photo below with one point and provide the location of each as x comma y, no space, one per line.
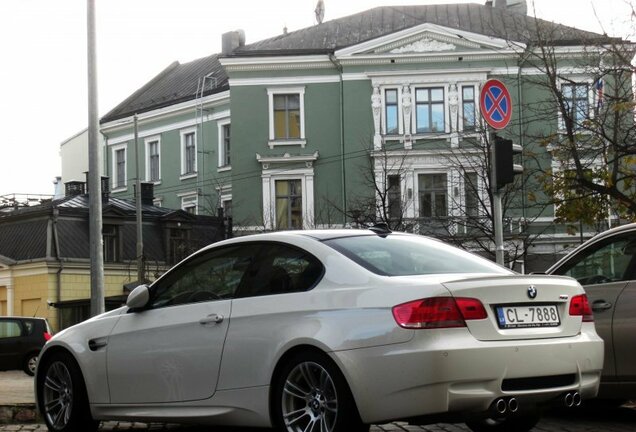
497,207
496,108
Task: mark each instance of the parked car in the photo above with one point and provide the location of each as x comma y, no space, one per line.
328,331
606,267
21,339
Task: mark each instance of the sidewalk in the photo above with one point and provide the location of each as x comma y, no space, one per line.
17,399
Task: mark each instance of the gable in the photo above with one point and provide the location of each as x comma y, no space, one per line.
427,39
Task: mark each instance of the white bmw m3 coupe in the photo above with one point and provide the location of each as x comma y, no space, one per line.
328,331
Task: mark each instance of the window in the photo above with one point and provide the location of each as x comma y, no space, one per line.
289,204
471,194
224,146
211,276
189,203
608,261
286,116
119,167
153,173
227,207
429,110
394,196
433,193
188,152
468,108
9,329
575,97
281,269
391,111
111,243
179,245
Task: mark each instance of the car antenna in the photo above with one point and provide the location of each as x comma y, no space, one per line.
381,229
36,311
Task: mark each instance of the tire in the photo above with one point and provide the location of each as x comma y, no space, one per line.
62,397
520,423
310,394
30,363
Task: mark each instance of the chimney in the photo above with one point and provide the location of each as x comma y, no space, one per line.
231,41
147,193
500,4
74,188
489,3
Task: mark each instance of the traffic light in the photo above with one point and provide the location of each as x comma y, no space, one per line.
505,168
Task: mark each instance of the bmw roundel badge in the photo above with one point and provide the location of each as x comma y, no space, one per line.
532,292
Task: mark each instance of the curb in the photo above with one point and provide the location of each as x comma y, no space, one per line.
19,413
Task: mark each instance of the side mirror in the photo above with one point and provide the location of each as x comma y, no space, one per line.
139,297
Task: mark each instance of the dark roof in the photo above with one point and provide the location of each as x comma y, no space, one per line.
381,21
180,82
176,83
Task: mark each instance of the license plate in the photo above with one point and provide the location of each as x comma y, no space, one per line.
527,316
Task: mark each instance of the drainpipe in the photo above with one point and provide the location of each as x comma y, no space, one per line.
338,66
10,293
58,285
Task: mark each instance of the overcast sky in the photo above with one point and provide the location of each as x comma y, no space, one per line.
43,84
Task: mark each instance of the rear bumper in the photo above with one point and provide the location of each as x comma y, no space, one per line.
448,370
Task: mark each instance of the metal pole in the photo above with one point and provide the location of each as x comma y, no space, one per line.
497,208
139,212
94,171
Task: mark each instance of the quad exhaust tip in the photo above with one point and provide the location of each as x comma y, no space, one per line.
513,405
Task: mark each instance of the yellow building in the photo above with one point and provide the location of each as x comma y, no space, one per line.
45,261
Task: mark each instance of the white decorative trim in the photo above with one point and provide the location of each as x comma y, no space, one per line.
423,46
281,143
296,80
434,30
171,110
168,128
287,158
244,64
355,77
189,200
269,178
147,142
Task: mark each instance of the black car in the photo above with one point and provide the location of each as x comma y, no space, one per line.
21,340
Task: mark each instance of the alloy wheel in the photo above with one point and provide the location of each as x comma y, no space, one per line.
58,395
309,400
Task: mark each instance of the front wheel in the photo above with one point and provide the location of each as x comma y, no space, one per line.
519,423
62,396
310,394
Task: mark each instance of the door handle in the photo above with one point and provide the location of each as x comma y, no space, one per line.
601,305
213,318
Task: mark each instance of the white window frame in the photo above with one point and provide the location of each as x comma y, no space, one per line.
273,142
430,85
269,178
416,189
189,200
183,133
115,179
221,144
147,142
383,90
591,97
460,108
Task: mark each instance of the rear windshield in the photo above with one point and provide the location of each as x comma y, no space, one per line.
402,255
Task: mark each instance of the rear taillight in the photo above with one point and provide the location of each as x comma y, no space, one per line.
580,306
47,336
438,312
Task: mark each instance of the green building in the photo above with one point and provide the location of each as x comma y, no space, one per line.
374,116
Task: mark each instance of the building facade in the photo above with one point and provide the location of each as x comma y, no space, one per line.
335,124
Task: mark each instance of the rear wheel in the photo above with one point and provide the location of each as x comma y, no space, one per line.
311,395
518,423
62,396
30,363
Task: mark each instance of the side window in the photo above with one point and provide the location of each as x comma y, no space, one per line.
212,276
9,329
609,261
28,325
281,269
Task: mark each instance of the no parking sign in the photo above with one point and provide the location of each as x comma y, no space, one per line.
495,104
